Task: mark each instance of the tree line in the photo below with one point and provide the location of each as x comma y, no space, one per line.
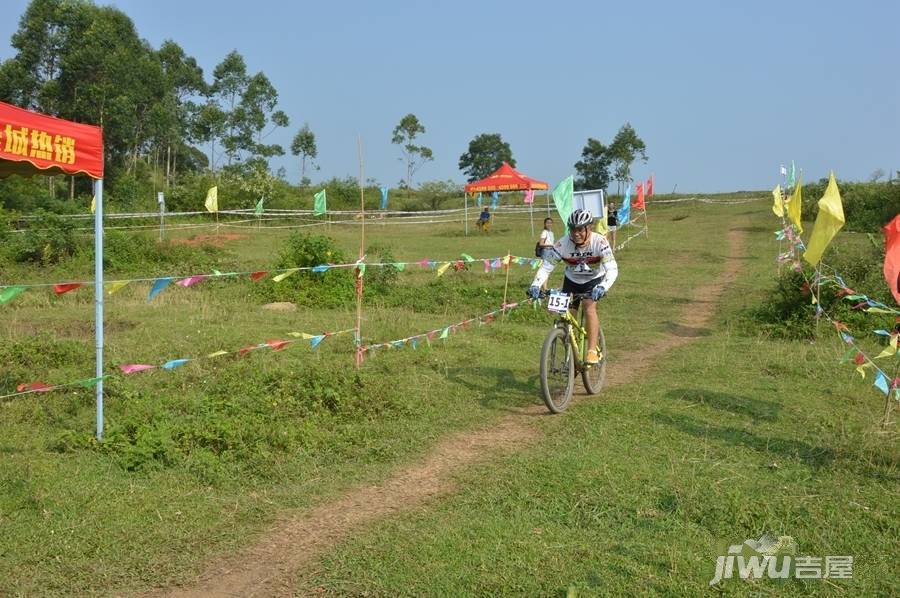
165,121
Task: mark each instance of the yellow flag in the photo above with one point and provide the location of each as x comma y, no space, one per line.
794,205
218,354
212,199
284,275
777,207
94,205
829,221
443,269
114,287
600,223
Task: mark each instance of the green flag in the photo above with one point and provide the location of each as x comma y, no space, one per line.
8,293
259,208
792,177
319,204
562,198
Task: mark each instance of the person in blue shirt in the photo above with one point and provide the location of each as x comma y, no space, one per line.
484,219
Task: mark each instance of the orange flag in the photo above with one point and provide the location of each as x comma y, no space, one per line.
638,203
892,256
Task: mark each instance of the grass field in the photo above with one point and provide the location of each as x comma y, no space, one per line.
722,439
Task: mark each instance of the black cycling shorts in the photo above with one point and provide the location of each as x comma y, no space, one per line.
579,287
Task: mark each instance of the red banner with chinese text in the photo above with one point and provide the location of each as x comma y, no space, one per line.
33,143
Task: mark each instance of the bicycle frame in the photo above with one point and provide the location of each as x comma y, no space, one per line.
576,335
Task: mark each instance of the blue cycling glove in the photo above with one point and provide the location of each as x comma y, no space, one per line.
534,292
598,292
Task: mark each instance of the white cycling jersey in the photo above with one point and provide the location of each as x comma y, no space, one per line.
593,261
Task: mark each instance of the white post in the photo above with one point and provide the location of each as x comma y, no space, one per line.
160,198
466,215
98,300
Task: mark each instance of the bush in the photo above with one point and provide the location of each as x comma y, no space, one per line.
789,311
49,239
867,206
324,289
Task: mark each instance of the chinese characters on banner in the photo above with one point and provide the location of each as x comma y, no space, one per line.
32,142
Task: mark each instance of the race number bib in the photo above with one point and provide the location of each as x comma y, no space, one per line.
558,302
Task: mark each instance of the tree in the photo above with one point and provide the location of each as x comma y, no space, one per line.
877,175
415,156
487,152
184,79
438,192
625,148
304,145
593,168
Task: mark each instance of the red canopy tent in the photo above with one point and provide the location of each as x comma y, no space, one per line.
32,143
505,178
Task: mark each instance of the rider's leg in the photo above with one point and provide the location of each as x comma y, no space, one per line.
591,323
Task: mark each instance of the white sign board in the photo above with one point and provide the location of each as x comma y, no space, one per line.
593,201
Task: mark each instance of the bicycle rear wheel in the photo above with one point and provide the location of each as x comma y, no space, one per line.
557,370
593,376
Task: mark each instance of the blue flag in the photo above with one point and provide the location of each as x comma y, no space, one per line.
495,199
478,200
384,192
158,286
624,213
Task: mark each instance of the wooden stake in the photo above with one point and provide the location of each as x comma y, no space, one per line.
506,284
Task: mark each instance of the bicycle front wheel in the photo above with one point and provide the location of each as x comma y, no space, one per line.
557,370
593,376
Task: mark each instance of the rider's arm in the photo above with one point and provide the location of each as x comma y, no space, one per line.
609,264
547,266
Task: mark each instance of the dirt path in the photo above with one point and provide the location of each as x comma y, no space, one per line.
270,567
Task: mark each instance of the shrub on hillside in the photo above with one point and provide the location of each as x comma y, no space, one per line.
867,206
49,239
789,312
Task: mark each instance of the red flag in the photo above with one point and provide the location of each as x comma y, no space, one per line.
254,276
61,289
33,387
277,345
638,203
892,256
650,186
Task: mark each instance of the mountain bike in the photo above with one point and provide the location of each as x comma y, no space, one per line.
564,352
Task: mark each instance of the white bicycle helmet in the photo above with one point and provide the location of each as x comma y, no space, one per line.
580,218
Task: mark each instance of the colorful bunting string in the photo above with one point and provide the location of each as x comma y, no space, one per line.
159,284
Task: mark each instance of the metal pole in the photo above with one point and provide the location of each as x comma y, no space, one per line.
531,214
466,217
98,300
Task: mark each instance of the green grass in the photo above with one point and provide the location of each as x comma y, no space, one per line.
199,460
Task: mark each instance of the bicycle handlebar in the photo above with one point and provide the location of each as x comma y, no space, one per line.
546,293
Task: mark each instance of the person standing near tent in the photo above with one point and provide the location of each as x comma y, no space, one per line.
612,222
484,219
545,241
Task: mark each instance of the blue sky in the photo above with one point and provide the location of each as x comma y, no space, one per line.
721,92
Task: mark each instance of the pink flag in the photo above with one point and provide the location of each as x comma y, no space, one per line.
424,262
191,280
529,196
277,345
135,367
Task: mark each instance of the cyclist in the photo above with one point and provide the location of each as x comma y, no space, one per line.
590,268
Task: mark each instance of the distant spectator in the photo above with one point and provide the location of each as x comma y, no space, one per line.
612,222
484,220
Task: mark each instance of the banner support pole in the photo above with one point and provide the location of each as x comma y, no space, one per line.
98,301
